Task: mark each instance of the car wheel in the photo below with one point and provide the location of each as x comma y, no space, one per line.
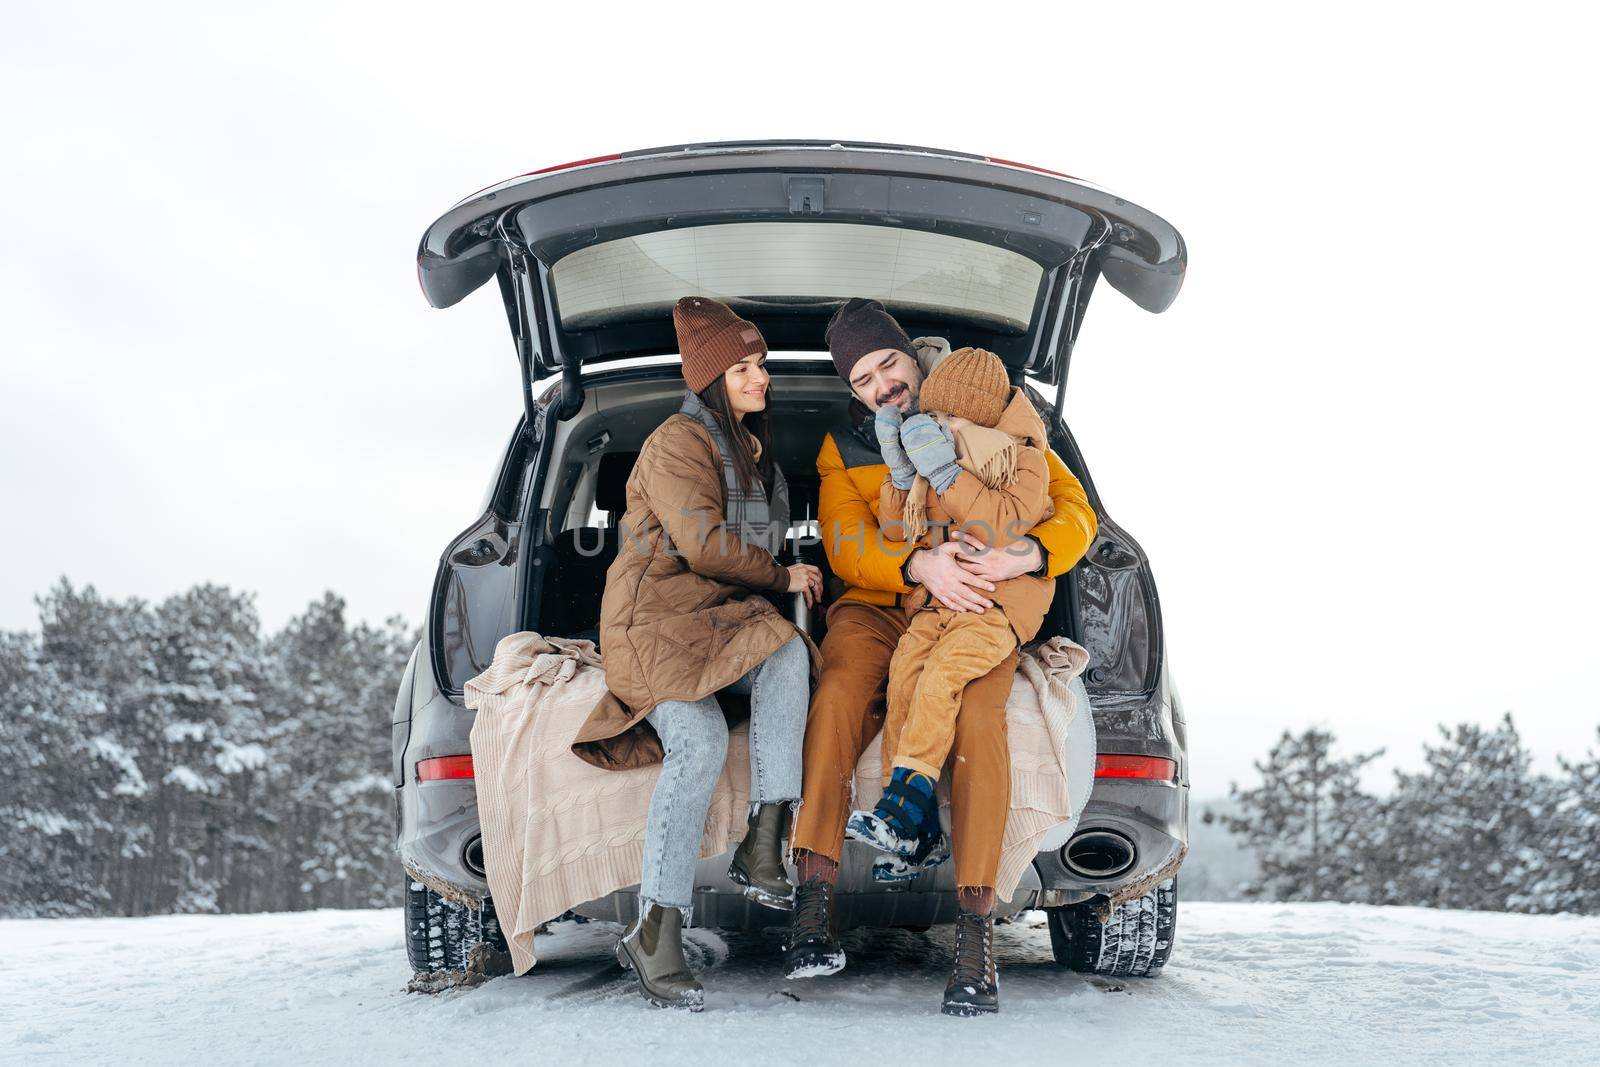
1135,943
440,934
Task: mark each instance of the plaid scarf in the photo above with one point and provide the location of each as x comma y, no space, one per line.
749,515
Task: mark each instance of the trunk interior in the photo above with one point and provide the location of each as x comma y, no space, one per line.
584,493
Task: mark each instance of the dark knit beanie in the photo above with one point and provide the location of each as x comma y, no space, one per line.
862,326
712,338
969,383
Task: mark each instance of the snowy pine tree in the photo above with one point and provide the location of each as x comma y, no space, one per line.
334,697
1467,832
62,771
1567,874
366,814
211,681
1309,822
104,647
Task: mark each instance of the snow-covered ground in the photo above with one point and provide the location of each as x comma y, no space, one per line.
1248,983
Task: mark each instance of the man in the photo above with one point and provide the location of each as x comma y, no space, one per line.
874,355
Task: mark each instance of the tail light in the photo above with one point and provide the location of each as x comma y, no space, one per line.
547,170
1030,166
440,768
574,163
1153,768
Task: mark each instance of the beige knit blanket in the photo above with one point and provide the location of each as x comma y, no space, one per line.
559,832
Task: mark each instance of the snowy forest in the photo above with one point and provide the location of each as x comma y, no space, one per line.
1476,828
170,757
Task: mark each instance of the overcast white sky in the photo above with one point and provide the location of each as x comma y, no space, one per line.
1359,449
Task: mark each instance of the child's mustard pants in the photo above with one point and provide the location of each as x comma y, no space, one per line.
941,652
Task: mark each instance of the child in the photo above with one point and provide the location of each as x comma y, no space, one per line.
981,450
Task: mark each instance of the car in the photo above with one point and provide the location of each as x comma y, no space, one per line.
589,258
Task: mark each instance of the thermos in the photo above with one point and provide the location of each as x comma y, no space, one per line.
799,614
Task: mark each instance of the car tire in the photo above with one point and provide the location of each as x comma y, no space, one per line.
440,934
1135,943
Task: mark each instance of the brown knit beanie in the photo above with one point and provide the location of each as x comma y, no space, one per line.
862,326
712,339
969,383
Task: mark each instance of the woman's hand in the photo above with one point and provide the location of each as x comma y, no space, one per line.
806,579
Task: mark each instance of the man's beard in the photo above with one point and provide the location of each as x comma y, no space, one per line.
895,395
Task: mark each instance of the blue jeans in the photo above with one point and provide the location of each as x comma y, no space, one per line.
695,736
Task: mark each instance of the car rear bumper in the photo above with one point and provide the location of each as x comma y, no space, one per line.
1152,816
449,811
438,827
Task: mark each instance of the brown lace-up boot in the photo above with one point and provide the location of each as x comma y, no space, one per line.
813,949
974,987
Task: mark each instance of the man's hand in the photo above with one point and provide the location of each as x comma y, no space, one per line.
997,565
941,572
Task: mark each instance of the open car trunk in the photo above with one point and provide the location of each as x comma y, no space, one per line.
590,257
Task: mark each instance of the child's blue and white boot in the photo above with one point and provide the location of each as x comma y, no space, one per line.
934,851
897,824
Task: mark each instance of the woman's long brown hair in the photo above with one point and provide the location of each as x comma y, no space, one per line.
715,398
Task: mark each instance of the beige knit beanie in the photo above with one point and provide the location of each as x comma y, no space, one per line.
969,383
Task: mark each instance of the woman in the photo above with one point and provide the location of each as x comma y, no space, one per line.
681,621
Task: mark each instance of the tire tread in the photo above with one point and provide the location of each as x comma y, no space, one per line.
1135,943
440,934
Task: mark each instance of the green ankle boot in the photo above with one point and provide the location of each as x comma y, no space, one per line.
653,949
758,861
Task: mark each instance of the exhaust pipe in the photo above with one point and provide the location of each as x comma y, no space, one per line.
1096,855
472,855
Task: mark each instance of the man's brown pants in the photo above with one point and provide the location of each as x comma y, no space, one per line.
848,708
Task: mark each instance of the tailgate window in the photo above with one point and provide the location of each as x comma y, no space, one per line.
797,263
